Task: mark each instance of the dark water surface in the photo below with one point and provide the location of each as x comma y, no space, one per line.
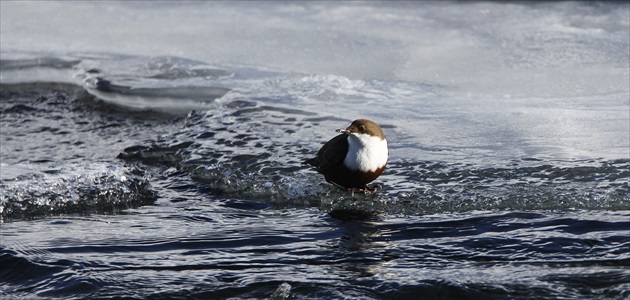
101,201
153,150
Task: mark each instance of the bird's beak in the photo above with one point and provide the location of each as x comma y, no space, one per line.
344,131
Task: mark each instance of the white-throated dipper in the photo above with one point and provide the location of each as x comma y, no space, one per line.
354,158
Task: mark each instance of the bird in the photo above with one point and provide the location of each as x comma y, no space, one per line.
353,158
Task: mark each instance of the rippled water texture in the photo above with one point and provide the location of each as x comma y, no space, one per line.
159,176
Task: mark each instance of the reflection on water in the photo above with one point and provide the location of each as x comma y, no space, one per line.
172,250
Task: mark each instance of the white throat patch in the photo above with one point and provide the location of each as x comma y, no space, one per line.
365,152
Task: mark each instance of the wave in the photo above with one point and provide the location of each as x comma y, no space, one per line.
256,153
27,191
166,84
248,139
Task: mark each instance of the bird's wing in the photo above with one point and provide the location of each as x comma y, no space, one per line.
332,153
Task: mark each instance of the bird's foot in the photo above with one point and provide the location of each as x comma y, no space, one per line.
366,189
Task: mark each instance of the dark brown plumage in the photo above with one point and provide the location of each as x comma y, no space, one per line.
331,161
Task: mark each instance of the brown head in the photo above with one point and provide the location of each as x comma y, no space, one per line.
364,126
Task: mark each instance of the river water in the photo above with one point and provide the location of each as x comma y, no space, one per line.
153,150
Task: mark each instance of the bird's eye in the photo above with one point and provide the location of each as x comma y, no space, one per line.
362,128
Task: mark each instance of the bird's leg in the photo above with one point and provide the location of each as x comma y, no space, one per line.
366,189
372,189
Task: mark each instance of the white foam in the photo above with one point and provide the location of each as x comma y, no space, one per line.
480,49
